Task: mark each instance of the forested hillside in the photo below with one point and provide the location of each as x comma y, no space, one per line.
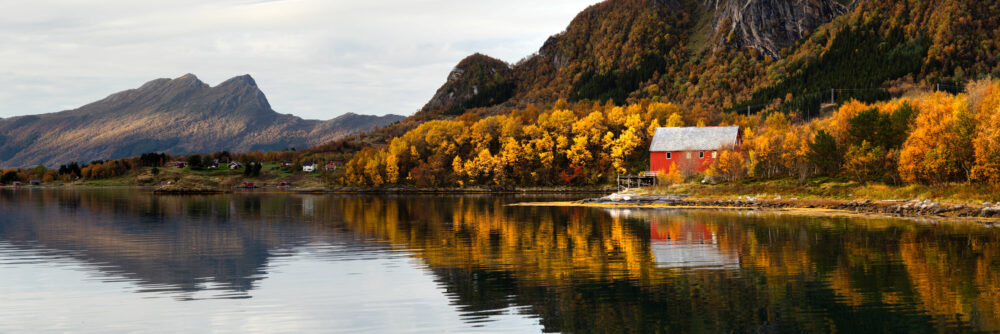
712,57
583,105
926,138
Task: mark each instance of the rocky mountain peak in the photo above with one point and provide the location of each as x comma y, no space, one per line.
177,116
477,81
241,80
769,25
241,92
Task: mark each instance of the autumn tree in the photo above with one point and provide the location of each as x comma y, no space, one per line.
938,148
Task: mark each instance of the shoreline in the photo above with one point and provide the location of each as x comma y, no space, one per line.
334,190
913,209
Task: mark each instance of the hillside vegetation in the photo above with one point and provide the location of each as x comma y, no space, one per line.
927,138
717,57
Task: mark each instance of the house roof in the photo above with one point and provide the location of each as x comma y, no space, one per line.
693,138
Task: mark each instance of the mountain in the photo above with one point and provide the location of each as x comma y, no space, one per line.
177,116
716,56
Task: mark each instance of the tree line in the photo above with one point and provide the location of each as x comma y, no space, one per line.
930,137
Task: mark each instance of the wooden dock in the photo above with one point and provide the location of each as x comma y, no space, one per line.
646,179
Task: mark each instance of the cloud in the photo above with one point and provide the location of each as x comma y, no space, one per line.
313,58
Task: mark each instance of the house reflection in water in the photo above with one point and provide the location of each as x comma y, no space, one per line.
688,245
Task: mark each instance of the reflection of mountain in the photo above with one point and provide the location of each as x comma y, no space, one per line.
164,243
574,269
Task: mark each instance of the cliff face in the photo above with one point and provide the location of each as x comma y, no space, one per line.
178,116
477,81
768,25
612,47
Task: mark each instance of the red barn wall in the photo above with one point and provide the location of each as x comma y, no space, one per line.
658,161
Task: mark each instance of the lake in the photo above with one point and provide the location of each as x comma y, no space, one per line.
116,260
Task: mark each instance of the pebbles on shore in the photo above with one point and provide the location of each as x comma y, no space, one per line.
913,208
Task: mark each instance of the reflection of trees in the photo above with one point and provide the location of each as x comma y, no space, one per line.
577,269
582,269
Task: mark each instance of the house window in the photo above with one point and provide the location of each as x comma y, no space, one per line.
701,155
715,154
668,155
689,155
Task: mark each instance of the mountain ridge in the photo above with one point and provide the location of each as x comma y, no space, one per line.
178,116
716,57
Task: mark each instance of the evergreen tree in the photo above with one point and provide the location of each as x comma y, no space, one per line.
824,153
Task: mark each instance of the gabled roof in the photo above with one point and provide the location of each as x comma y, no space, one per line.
693,138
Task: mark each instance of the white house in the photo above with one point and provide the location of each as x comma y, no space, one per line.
308,167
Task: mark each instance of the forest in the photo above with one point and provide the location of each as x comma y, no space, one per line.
925,138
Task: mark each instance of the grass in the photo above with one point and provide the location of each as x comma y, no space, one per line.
832,188
271,174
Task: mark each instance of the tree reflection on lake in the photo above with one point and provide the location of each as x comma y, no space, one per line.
565,269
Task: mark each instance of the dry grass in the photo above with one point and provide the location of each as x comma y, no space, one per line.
827,188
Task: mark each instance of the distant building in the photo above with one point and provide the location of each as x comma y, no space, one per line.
235,165
16,183
334,164
308,167
284,184
180,164
691,149
286,164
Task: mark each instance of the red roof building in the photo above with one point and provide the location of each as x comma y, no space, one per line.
691,149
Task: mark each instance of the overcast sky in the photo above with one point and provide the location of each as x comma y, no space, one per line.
313,58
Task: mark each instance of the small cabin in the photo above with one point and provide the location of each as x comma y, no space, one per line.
308,167
690,149
286,164
16,183
180,164
235,165
334,164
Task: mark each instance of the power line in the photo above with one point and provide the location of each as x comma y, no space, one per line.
833,91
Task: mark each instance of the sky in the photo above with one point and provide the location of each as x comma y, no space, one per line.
316,59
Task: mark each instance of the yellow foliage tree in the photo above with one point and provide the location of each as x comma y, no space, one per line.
674,120
932,153
730,166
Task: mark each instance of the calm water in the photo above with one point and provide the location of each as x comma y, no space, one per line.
124,261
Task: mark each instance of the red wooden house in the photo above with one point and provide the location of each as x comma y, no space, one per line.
334,164
691,149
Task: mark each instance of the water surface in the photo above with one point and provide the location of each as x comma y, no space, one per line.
126,260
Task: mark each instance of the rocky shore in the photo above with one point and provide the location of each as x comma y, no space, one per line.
176,190
470,190
895,208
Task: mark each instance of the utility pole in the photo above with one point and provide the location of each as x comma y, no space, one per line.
832,99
